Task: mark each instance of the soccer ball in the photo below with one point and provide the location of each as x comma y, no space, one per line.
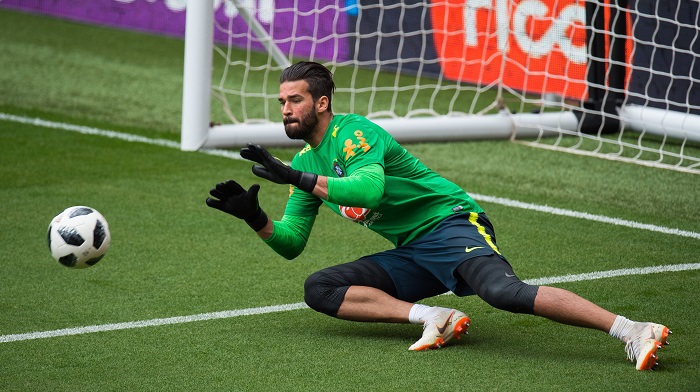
78,237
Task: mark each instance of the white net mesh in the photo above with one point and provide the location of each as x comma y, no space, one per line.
655,92
636,95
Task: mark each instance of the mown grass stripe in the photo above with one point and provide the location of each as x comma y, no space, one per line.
235,155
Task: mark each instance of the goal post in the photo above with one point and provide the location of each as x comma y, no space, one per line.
589,77
196,86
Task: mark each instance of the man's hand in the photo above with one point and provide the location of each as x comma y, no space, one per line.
231,198
276,171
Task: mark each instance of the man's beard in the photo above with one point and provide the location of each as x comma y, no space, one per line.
300,129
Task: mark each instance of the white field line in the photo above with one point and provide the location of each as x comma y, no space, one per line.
151,323
613,273
111,134
585,215
300,305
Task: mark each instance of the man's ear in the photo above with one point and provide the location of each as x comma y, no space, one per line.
322,104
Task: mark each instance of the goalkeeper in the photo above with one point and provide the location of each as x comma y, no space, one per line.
443,240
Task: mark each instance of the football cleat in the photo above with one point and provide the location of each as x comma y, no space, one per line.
643,347
441,328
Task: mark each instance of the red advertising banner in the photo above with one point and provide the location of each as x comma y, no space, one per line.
529,45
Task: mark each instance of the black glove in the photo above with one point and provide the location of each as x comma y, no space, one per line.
231,198
276,171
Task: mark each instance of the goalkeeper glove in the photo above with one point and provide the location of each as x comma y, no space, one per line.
276,171
231,198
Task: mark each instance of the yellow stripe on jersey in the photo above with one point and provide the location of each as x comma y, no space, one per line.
473,216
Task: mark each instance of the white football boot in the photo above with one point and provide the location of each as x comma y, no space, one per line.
644,344
441,328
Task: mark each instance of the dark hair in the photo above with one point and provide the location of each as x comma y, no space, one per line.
319,78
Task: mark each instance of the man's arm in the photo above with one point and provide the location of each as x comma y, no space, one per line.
266,231
363,188
288,237
321,188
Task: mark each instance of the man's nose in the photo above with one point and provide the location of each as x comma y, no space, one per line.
286,108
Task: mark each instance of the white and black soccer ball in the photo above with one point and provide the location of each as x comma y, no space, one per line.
78,237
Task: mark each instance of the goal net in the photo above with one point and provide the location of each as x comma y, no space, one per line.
617,79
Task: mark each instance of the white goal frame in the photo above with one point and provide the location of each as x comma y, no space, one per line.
197,132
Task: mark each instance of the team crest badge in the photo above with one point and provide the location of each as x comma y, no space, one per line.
338,170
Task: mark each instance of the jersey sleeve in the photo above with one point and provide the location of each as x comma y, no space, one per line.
290,235
301,203
363,188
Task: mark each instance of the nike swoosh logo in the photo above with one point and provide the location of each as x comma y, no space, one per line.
509,276
444,326
468,249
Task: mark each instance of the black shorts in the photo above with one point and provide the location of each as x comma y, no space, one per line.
427,266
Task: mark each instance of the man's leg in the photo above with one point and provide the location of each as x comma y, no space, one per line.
568,308
642,340
492,278
440,325
363,303
364,291
359,291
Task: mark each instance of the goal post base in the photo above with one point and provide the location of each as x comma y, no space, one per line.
664,123
412,130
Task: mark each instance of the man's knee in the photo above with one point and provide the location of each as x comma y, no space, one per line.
324,293
493,280
513,296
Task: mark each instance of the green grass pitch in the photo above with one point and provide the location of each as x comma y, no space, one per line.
173,256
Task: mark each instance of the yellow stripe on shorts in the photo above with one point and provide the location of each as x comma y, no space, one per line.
473,216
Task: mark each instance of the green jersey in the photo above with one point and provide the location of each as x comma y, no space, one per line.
415,199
